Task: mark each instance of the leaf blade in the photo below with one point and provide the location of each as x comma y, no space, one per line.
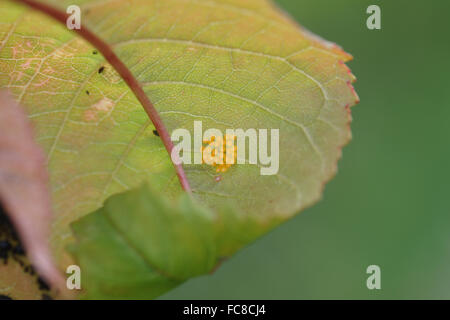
140,245
244,65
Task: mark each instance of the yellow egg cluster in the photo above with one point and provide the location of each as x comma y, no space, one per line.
221,162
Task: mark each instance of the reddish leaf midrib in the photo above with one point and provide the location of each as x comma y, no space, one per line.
126,75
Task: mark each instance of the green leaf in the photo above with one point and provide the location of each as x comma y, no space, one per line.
229,63
139,245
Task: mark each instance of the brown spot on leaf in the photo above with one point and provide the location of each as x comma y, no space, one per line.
104,105
90,116
94,112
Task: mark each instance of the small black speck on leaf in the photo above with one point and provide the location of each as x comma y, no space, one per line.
10,245
94,52
42,284
12,249
5,245
87,92
101,69
156,133
18,249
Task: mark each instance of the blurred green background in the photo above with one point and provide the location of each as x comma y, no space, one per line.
388,205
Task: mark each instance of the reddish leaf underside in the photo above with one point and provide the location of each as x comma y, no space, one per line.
23,187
